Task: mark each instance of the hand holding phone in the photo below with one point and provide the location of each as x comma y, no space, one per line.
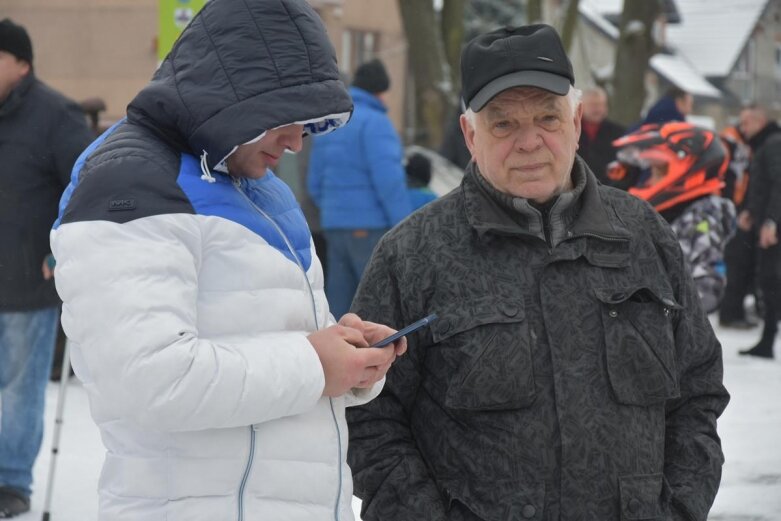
423,322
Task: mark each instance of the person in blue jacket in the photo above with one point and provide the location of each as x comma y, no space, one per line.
418,168
356,178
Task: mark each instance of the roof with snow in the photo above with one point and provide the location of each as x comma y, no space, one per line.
706,42
678,71
591,10
710,33
713,33
611,9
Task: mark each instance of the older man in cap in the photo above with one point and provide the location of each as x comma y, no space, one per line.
572,374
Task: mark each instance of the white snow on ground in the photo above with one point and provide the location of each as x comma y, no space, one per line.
750,429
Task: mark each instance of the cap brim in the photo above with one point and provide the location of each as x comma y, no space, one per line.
543,80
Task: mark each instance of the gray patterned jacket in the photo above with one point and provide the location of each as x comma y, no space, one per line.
703,230
571,375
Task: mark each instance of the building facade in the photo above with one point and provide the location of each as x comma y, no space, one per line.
108,48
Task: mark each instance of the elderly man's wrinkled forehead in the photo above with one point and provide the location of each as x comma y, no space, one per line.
525,98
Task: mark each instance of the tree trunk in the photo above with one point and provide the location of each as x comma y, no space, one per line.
635,47
570,22
434,99
533,11
453,37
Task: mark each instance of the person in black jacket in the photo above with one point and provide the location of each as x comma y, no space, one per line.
41,134
596,140
572,373
762,214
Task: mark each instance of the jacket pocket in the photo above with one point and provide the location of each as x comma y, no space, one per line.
476,500
643,497
639,343
481,357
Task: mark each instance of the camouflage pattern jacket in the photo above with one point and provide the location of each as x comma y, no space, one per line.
703,230
571,375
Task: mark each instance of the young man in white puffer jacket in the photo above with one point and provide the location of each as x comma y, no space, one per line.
191,290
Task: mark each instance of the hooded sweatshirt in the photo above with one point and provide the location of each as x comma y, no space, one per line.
189,294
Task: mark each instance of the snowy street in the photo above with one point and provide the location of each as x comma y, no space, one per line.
750,429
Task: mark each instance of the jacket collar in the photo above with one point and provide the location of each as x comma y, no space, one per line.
759,139
17,95
580,212
363,97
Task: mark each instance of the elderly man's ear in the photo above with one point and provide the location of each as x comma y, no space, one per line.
469,134
578,120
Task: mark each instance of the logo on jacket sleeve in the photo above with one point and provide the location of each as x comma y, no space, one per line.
118,205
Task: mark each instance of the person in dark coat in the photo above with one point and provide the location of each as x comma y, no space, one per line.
453,147
762,214
572,373
41,134
674,105
740,253
596,140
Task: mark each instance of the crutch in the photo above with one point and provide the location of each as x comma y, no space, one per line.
64,377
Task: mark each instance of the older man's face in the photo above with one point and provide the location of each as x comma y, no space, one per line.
524,142
751,122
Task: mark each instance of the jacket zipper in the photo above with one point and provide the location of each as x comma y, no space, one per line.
237,185
245,477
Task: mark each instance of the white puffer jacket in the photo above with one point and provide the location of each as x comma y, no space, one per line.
189,295
190,338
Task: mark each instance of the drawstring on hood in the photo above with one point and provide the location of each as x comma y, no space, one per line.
207,175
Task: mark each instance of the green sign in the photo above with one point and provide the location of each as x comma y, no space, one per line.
174,15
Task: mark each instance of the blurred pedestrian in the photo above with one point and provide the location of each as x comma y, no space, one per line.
687,166
674,105
595,145
453,147
740,253
418,169
739,154
356,178
763,214
191,290
571,374
41,134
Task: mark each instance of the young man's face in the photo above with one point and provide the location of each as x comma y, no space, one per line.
685,104
252,160
12,70
524,142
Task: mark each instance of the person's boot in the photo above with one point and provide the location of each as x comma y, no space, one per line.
12,503
739,323
760,350
764,349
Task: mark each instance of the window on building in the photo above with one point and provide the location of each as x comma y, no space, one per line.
778,59
358,47
745,65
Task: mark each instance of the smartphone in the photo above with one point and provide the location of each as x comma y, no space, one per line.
423,322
